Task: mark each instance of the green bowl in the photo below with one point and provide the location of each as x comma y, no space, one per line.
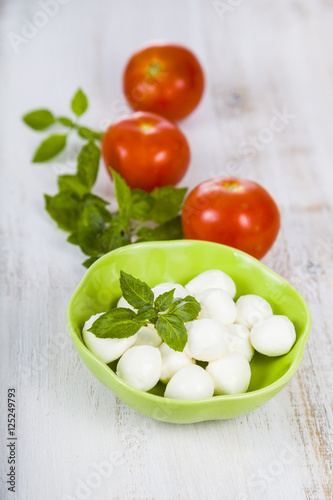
179,261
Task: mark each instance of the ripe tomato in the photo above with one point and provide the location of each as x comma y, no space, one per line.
164,79
235,212
147,150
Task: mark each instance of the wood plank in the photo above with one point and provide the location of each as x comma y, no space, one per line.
260,58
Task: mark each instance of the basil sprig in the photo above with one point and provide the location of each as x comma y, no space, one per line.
43,119
166,313
140,216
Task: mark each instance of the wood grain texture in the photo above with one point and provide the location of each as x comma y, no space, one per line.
262,59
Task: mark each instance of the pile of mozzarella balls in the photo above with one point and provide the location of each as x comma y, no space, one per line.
223,338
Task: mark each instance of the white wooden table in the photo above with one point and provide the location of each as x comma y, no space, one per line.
262,59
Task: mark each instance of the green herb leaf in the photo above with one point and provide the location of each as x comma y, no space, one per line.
186,309
67,122
142,205
92,225
87,133
87,164
164,301
88,241
124,197
117,323
64,208
97,233
136,292
168,203
49,148
90,229
73,238
69,182
39,119
112,238
79,103
87,263
91,200
147,313
171,230
172,330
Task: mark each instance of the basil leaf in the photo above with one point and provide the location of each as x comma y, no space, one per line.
90,229
50,148
172,330
186,309
88,241
79,103
117,224
171,230
67,122
97,233
87,164
69,182
124,197
112,238
64,208
91,200
87,133
39,119
142,204
116,324
146,313
164,301
73,238
87,263
136,292
168,203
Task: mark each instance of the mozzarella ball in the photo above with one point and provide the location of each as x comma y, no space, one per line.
217,304
273,336
172,361
208,339
140,367
251,309
191,383
106,350
123,303
231,374
240,341
147,335
180,291
213,278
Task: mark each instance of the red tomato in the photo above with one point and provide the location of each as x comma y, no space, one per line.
235,212
147,150
164,79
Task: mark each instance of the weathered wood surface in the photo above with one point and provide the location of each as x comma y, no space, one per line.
262,60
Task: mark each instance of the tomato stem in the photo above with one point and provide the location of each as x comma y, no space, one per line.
154,69
145,127
232,186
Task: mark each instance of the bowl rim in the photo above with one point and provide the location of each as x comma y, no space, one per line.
277,385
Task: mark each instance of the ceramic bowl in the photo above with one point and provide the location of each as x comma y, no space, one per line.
179,261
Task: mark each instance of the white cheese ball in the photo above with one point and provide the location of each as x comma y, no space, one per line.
106,350
172,361
231,374
217,304
208,339
180,291
273,336
190,383
214,278
147,335
240,341
123,303
140,367
251,309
